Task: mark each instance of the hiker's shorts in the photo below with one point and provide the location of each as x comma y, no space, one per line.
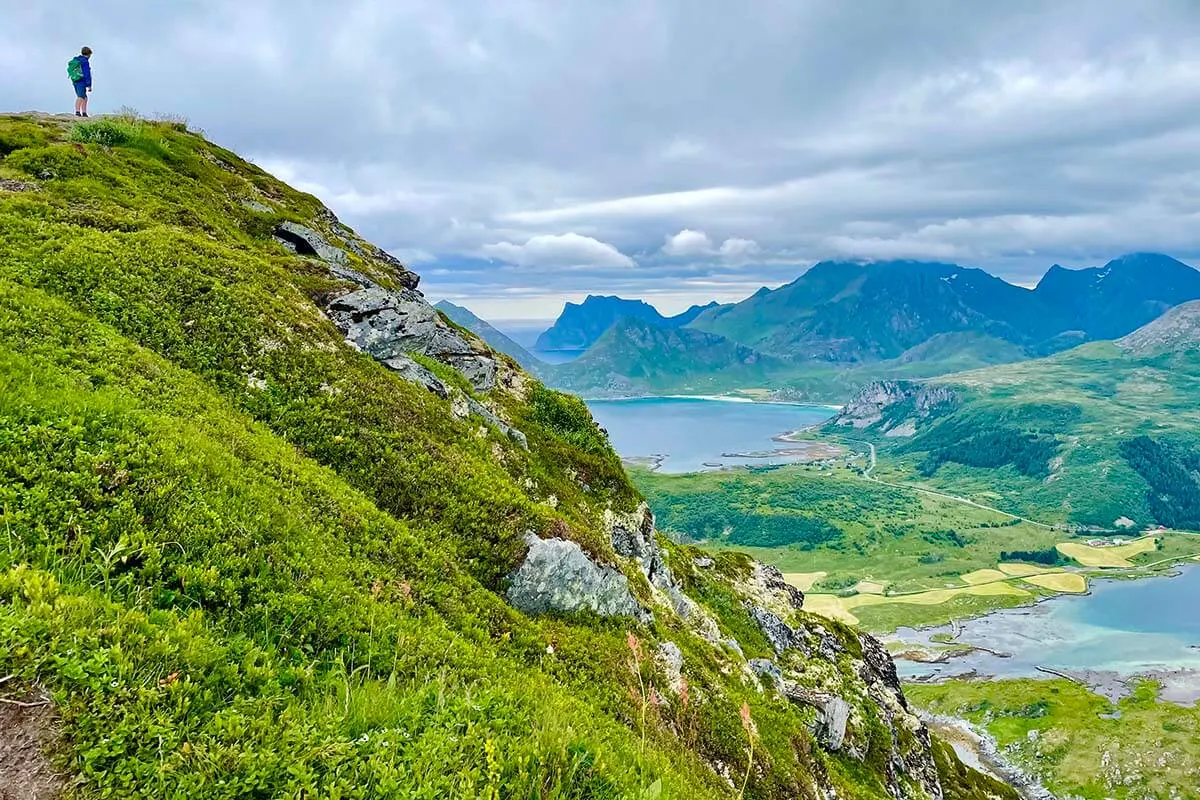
80,89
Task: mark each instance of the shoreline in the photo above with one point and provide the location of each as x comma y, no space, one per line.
1179,679
714,398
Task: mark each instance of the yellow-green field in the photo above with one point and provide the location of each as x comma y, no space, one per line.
1116,556
803,580
1065,582
835,607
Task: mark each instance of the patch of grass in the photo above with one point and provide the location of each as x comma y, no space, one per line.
1070,738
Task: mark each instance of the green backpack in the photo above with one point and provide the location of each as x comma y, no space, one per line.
75,69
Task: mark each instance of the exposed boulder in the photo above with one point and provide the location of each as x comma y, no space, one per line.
632,536
769,674
557,575
305,241
778,633
386,323
670,660
831,727
413,372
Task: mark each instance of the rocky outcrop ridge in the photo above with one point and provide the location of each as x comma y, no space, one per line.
1176,331
900,405
391,324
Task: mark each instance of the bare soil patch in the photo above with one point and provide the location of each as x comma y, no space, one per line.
27,732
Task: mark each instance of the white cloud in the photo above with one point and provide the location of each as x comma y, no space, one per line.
688,243
737,249
565,250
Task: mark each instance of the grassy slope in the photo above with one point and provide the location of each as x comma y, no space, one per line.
1085,403
249,561
1080,748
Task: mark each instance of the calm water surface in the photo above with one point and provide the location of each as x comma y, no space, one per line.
1123,627
692,434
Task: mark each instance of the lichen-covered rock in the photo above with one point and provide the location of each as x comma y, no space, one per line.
778,633
670,660
632,536
769,674
483,412
557,575
386,323
831,728
413,372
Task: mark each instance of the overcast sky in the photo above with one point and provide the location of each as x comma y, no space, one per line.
519,153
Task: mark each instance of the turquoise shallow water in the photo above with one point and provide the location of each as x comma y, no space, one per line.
688,433
1125,628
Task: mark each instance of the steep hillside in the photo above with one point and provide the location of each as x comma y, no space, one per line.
1177,331
639,357
275,528
1113,300
494,338
580,325
1100,433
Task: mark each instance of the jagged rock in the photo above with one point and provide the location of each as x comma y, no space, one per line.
827,645
878,666
387,323
557,575
307,242
770,580
768,673
867,407
778,633
831,728
632,536
670,660
414,373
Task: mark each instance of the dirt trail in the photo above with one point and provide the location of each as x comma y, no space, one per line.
867,474
27,730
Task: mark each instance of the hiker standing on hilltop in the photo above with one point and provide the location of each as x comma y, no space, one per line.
79,70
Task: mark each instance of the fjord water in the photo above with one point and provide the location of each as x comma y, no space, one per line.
690,434
1122,627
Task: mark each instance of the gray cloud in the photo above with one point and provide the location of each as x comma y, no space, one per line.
498,144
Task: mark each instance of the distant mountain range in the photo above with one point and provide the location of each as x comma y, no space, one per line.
847,312
842,324
581,324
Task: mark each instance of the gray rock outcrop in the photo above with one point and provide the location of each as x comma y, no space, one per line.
304,241
831,727
778,633
557,575
386,323
920,400
768,672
